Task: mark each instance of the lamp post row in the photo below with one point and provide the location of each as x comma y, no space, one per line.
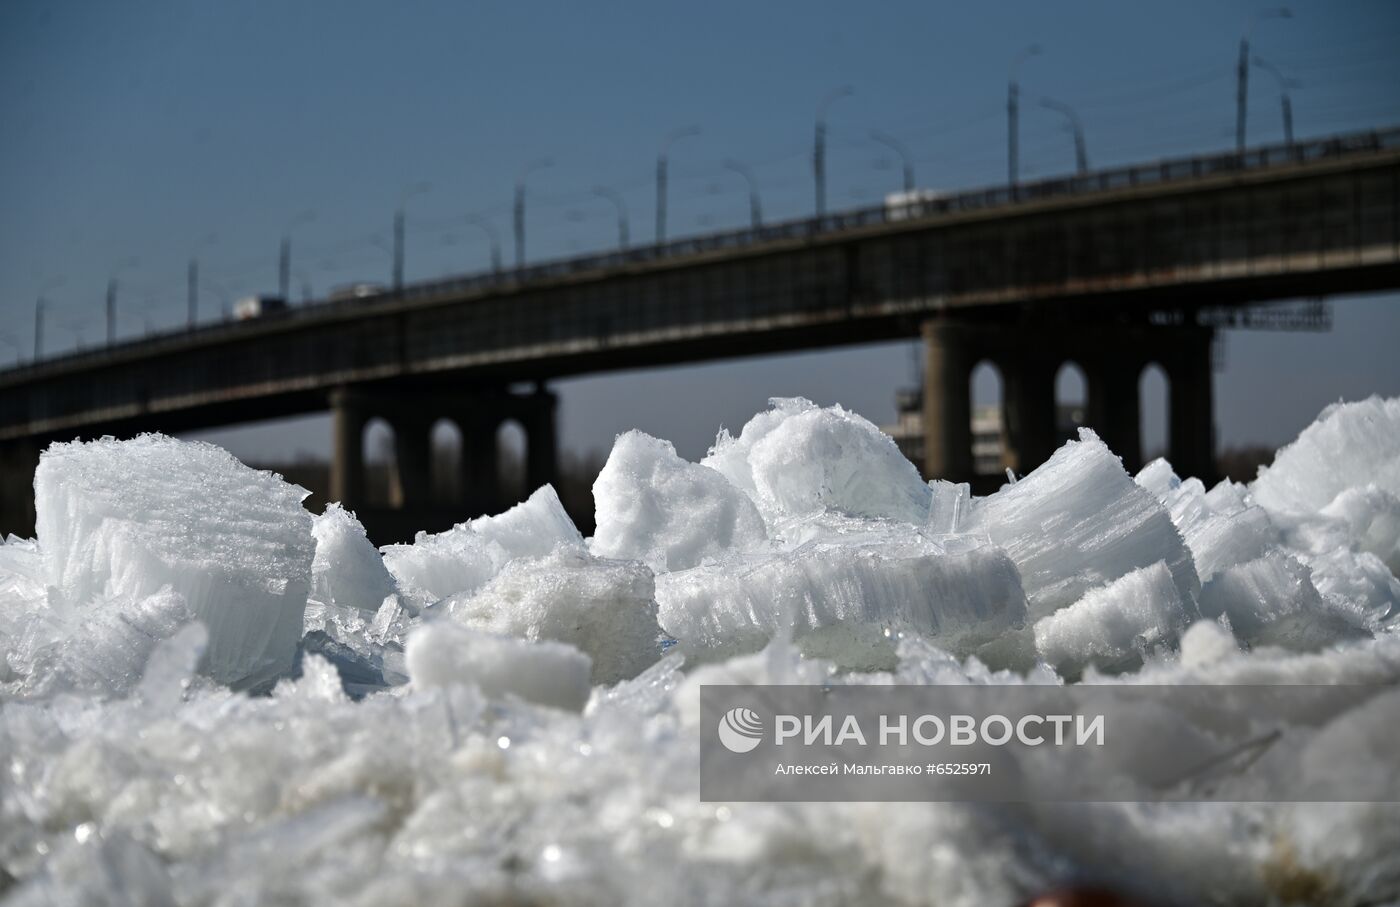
284,268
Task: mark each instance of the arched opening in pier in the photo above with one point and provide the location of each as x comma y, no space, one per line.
1154,399
1071,402
511,447
381,479
445,463
988,420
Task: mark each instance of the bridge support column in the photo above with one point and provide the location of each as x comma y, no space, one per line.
18,460
1028,393
348,417
1115,412
480,462
478,414
542,445
1028,355
947,413
413,458
1191,401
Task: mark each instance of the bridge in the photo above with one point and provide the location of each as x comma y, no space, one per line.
1112,269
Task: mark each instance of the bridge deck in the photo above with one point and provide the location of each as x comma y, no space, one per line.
1314,219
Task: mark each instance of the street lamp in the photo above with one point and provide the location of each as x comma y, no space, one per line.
306,291
616,198
755,209
1013,104
492,237
284,262
1284,84
819,145
192,298
40,304
520,207
1242,69
398,253
662,163
898,148
1081,156
376,241
112,298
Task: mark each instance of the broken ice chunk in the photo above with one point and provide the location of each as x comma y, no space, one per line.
1357,581
441,564
1272,601
605,608
948,506
1370,519
730,456
465,557
441,653
1113,626
391,620
1349,445
171,666
318,677
100,649
797,459
348,570
1222,527
1079,521
532,528
125,518
22,597
847,602
670,514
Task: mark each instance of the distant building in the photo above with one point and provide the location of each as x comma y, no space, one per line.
988,445
987,441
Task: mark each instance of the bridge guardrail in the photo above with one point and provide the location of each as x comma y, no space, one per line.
1159,172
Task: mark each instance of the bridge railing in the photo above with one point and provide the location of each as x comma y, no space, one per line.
923,208
1169,170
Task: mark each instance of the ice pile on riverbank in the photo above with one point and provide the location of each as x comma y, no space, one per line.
507,712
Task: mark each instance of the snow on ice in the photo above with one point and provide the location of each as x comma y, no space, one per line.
211,696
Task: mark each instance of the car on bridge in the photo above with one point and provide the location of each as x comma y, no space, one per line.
355,291
907,205
257,306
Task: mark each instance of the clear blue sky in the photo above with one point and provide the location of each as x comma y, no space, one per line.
156,129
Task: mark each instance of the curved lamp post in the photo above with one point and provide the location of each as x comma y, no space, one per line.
284,259
1242,69
1081,156
492,237
410,192
192,279
1285,84
615,197
755,207
112,297
40,304
819,145
520,207
662,163
1013,117
898,148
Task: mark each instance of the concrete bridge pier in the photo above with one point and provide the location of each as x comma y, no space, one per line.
1028,355
542,449
414,502
350,413
18,460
